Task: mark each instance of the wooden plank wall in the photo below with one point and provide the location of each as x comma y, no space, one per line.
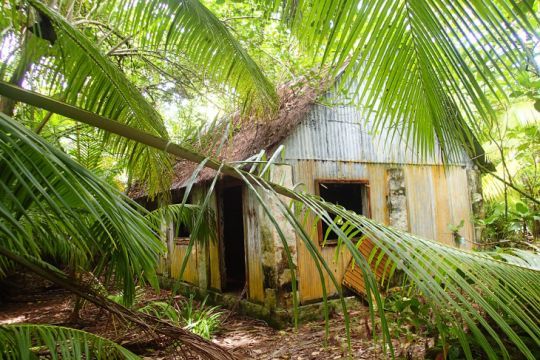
203,264
436,197
380,265
309,279
252,242
213,251
191,273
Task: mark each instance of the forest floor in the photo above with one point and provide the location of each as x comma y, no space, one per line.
26,299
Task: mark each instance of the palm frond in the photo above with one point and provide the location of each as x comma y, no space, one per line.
188,29
33,341
415,66
194,343
519,257
77,71
473,295
187,215
53,206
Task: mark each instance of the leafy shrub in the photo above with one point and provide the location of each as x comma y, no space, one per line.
200,320
515,225
162,310
410,314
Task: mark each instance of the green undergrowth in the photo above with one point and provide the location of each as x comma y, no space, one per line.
196,317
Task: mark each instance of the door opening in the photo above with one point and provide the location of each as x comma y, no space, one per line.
233,249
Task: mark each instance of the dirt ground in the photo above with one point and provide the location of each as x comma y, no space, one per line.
25,299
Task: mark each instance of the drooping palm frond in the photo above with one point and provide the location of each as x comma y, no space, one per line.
195,344
81,74
519,257
415,65
74,68
52,206
33,341
187,28
187,215
472,295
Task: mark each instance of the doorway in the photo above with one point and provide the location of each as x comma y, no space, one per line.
232,240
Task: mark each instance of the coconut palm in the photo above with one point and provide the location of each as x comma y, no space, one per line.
54,206
421,61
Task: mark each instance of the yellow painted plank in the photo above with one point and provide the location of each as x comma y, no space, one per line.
190,273
378,191
253,247
460,204
420,200
354,278
443,216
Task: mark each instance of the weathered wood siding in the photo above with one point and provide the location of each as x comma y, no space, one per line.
436,197
253,242
379,264
191,274
213,264
336,143
203,264
268,269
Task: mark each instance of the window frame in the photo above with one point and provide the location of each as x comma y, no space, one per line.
180,240
176,197
362,182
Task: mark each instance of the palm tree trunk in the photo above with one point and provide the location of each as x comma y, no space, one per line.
86,117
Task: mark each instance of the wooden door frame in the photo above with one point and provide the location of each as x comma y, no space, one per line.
225,184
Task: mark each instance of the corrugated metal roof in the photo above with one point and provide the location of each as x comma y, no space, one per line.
340,133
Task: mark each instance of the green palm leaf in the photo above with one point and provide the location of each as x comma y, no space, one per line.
75,69
52,206
186,28
414,66
57,342
472,295
188,215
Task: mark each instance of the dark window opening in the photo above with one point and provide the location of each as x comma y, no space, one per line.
351,195
181,230
234,266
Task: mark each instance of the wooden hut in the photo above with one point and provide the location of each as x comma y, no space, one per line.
333,153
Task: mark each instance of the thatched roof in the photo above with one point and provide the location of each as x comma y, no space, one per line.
249,135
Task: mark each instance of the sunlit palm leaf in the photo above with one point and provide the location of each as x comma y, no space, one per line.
80,73
187,28
494,299
26,341
413,64
187,215
76,70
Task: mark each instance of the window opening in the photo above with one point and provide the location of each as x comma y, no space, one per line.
352,195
